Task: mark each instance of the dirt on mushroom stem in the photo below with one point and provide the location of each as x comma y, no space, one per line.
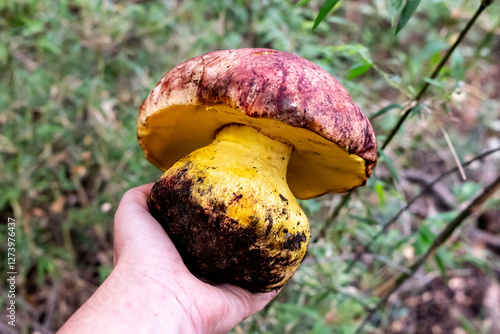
228,209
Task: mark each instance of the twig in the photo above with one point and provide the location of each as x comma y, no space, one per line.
434,74
416,100
489,239
385,227
442,237
453,151
442,192
345,199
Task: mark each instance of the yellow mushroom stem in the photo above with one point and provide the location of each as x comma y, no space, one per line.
228,209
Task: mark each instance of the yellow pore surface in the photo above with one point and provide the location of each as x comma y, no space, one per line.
316,167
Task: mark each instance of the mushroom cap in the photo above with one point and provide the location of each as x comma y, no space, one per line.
284,96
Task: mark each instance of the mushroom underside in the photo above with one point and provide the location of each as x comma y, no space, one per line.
317,166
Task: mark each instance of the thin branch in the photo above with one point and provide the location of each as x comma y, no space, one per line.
434,74
345,199
442,237
417,99
453,151
385,227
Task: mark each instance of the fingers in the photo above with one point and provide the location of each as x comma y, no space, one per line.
134,201
261,300
131,211
251,302
240,304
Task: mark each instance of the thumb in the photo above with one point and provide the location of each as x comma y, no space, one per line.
137,234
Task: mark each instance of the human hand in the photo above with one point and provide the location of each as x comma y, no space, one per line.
151,290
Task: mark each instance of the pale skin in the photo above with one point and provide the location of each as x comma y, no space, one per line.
150,290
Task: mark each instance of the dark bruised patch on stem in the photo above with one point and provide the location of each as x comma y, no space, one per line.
236,198
216,247
283,198
269,221
294,242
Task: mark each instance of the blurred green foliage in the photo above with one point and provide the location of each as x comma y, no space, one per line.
74,73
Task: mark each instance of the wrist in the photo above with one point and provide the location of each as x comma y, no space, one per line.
131,302
153,305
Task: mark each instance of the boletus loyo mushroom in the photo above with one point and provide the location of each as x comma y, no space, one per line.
240,134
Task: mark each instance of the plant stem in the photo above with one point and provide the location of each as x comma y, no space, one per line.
414,103
442,237
345,199
391,221
434,74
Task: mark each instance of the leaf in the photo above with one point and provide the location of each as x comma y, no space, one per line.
320,327
310,205
4,54
364,220
467,191
392,168
301,3
385,109
430,49
323,11
416,110
49,46
31,27
357,69
6,145
395,9
435,82
342,21
423,239
379,189
406,14
353,49
104,272
441,265
457,65
444,260
9,194
297,310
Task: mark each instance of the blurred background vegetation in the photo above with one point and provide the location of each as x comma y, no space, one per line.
74,73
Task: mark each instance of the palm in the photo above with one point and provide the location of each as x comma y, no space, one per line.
141,245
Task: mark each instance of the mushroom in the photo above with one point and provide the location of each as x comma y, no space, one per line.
240,135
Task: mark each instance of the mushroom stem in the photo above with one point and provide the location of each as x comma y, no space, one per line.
228,209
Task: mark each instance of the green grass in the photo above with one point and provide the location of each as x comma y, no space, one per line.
74,73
